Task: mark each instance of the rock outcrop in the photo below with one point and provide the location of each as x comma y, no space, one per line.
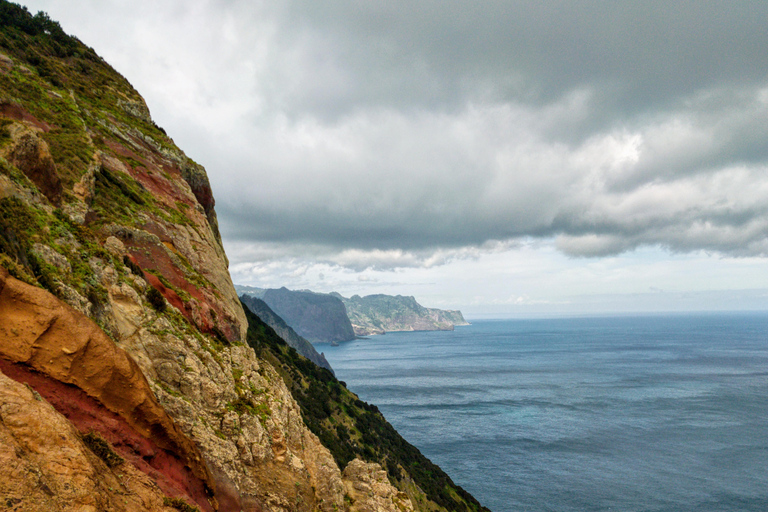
40,333
46,465
318,317
369,489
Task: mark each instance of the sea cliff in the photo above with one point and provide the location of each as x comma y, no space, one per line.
131,377
377,314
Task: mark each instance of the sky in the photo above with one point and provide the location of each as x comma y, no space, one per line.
505,158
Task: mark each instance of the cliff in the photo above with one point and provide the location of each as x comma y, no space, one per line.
377,314
131,377
302,346
317,317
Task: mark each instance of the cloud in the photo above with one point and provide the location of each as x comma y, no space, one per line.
383,135
401,184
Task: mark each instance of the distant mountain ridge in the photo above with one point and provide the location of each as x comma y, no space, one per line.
377,314
372,314
318,317
269,317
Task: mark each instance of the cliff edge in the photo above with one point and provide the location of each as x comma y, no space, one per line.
131,377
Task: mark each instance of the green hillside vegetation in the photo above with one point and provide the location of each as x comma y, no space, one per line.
86,106
352,428
377,314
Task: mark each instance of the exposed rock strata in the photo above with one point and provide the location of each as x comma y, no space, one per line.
45,465
39,331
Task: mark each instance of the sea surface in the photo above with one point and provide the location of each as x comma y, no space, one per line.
655,413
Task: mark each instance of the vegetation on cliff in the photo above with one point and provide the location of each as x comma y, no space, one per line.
127,323
351,428
79,137
377,314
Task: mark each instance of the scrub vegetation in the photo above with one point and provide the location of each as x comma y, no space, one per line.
349,427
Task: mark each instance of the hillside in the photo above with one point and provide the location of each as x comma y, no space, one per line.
318,317
131,377
260,308
377,314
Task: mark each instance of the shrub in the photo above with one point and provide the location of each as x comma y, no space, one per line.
135,269
179,504
156,299
102,449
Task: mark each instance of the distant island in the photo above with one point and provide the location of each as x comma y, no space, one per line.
318,317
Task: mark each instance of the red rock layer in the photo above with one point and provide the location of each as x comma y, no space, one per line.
43,333
166,469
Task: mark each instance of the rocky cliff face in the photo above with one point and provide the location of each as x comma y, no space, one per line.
47,465
317,317
377,314
302,346
129,378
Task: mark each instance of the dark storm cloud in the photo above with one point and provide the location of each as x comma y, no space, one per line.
434,53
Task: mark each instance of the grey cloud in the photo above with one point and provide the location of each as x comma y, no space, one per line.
395,134
486,173
438,53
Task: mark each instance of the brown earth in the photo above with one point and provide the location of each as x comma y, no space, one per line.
46,466
43,333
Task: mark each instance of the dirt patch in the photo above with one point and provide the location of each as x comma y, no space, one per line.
13,111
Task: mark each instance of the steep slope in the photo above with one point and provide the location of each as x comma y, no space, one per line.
377,314
302,346
317,317
355,431
117,310
49,466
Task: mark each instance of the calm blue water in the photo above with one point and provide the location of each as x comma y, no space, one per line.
665,413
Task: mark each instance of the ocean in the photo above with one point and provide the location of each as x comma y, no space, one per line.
630,414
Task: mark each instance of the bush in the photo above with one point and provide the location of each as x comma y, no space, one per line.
179,504
135,269
156,299
102,449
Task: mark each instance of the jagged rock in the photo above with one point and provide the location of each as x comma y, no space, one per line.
370,491
114,245
32,156
137,109
52,257
46,466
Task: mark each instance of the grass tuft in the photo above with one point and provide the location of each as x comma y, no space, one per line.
102,450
